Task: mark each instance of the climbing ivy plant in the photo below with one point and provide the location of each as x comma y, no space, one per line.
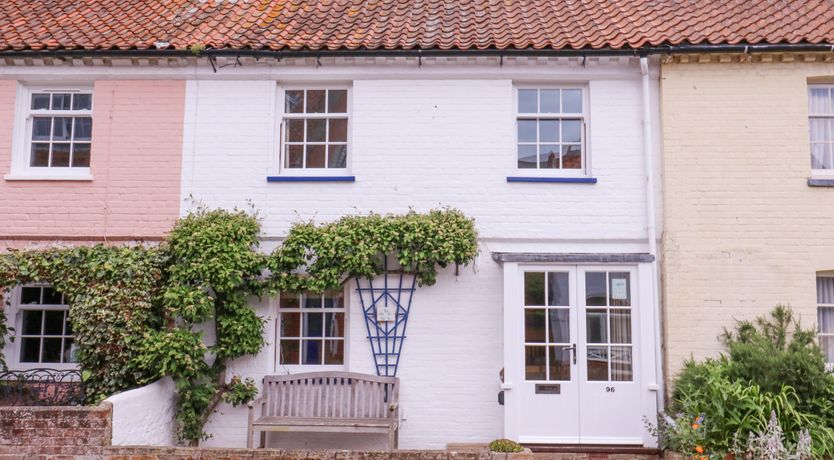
181,308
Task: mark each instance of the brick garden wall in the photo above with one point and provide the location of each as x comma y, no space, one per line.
55,430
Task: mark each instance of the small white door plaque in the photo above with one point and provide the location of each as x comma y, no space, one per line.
619,289
386,313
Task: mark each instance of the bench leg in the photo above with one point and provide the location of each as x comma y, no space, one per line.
392,438
263,439
249,435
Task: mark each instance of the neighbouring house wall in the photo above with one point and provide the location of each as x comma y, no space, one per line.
135,163
421,142
55,430
145,416
743,230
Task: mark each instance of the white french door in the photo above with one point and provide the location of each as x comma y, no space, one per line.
576,355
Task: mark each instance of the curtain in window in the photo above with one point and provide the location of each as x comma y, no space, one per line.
825,315
825,290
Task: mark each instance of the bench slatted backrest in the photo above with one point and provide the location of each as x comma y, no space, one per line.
330,395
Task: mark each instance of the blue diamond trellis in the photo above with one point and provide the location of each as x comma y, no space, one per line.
391,297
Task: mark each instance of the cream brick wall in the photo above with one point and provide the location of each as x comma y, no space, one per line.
743,230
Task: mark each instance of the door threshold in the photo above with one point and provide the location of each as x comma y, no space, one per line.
591,449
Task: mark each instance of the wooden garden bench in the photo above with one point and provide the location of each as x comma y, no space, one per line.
331,402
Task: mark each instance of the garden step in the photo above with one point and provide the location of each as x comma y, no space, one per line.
592,452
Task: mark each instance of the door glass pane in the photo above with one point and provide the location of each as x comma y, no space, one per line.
597,326
619,289
534,288
597,363
534,325
559,325
620,326
558,292
621,364
595,293
534,363
559,363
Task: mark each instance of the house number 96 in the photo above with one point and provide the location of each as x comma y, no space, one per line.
610,389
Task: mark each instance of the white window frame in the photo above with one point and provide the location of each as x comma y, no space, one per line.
827,173
14,348
22,137
296,368
584,117
820,333
278,164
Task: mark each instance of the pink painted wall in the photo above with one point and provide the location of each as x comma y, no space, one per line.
135,163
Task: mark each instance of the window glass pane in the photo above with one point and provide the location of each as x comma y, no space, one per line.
83,129
620,326
526,130
534,325
819,101
69,351
571,131
596,326
52,297
315,156
30,350
53,323
559,325
820,156
289,352
572,101
597,363
40,155
41,128
619,289
334,299
337,101
289,300
312,325
338,130
60,155
825,320
315,100
68,325
621,364
51,352
334,352
535,363
32,321
548,131
549,101
819,129
534,288
560,361
825,290
294,101
595,294
316,130
40,101
311,300
311,352
30,295
295,130
572,156
558,290
290,325
82,101
337,156
295,156
61,101
827,347
549,156
61,128
527,99
334,324
81,155
527,157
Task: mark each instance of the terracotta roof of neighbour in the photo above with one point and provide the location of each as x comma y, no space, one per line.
408,24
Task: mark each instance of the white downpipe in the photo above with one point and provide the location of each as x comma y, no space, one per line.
651,228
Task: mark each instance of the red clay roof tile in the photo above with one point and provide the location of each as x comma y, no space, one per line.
408,24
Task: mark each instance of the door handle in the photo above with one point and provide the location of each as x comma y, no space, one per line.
572,348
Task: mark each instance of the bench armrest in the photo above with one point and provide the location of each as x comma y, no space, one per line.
393,407
255,402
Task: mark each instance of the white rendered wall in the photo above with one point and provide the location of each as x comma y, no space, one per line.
419,141
145,416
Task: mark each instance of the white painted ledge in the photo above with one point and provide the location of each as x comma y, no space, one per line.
27,176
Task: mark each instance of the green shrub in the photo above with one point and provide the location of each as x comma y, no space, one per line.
505,445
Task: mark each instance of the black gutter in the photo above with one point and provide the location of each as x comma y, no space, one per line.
526,52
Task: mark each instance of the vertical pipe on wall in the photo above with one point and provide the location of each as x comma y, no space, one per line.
651,226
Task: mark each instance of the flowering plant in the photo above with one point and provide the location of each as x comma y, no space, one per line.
682,433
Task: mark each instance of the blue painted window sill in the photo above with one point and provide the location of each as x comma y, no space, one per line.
812,182
311,178
562,180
